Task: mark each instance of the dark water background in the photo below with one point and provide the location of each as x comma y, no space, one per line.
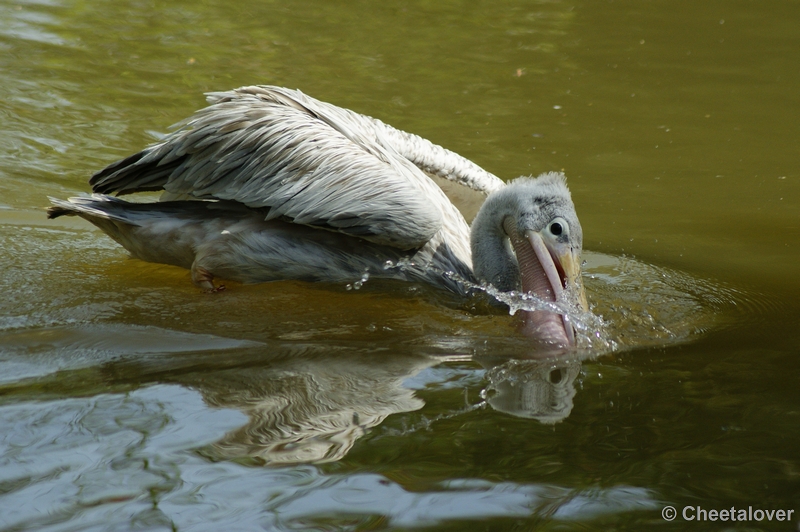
130,401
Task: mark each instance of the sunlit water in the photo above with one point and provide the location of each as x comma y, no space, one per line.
129,400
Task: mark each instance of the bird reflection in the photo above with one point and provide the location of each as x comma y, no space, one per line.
535,389
313,410
309,410
310,403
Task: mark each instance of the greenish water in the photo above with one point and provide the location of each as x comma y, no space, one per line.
129,400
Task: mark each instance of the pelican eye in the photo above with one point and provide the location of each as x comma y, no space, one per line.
558,228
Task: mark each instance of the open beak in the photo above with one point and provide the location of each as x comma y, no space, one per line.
567,262
547,271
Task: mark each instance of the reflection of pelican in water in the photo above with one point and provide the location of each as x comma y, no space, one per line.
304,403
295,188
535,389
313,409
307,410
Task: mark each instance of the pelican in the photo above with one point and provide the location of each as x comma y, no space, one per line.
267,184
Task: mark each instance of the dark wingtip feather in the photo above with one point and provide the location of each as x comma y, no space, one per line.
59,208
55,212
108,179
131,175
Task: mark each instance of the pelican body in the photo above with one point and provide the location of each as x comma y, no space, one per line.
267,184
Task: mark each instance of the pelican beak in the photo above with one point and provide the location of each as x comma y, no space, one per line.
547,270
567,261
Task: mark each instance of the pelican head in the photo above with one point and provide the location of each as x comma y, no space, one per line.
527,237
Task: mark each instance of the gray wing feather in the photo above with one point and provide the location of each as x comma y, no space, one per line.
367,131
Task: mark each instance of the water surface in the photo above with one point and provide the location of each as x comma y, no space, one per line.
129,400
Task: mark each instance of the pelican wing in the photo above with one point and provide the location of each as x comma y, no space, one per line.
285,160
305,160
368,132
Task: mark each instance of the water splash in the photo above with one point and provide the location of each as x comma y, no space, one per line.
632,303
591,330
358,284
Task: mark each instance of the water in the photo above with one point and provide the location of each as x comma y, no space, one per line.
130,400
